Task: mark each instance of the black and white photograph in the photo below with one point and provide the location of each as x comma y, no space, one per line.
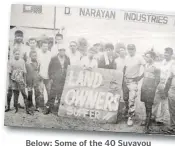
91,69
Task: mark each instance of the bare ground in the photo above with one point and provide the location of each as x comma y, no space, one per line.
21,119
39,120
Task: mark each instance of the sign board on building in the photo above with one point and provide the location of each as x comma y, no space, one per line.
38,16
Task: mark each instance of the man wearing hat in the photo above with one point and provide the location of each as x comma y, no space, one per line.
89,61
57,74
132,76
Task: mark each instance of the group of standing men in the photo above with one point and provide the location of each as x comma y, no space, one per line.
33,68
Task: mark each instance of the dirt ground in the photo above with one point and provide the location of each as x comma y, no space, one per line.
39,120
21,119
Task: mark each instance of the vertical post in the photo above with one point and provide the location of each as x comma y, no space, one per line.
54,23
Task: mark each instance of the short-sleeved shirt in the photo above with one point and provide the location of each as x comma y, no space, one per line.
151,73
120,63
74,58
165,70
44,60
133,65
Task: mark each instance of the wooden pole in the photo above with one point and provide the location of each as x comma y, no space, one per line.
54,23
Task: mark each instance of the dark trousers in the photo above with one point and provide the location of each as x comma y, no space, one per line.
54,92
9,97
16,97
30,100
148,108
39,99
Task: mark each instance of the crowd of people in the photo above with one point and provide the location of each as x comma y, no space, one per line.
37,66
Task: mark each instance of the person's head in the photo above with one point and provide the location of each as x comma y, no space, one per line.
16,53
98,47
109,48
150,56
61,50
168,53
73,46
45,45
83,45
32,43
131,49
58,38
92,52
122,51
33,55
118,46
19,36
